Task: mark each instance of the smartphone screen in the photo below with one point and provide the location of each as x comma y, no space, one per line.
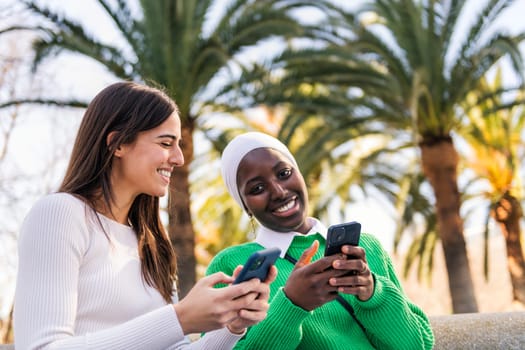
258,265
340,235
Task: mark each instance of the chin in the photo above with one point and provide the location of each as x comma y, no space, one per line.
158,193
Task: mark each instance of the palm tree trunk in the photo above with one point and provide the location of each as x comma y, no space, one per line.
440,160
6,328
180,226
508,213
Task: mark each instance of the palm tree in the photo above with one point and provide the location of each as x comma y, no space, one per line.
496,141
416,78
428,81
173,43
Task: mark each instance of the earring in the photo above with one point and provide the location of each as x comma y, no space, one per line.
252,223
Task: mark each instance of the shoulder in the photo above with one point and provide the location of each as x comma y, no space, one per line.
56,215
56,209
59,201
371,242
377,256
244,249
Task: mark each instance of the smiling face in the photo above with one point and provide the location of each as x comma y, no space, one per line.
145,165
273,190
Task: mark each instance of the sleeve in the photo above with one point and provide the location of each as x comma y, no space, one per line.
269,333
392,321
218,340
221,339
52,242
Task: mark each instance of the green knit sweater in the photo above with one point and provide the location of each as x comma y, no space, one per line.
390,319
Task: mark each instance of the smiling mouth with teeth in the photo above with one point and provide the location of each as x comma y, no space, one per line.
286,207
164,172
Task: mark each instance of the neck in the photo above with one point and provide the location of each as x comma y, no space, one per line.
115,210
306,226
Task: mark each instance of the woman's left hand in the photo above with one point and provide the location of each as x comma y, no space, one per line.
359,280
257,309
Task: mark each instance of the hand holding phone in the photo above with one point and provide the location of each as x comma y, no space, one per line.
258,265
340,235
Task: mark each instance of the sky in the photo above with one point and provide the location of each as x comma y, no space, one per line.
82,78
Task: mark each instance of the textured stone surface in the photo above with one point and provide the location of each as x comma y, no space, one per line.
498,330
494,331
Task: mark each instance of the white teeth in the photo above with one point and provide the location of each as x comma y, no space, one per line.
163,172
285,207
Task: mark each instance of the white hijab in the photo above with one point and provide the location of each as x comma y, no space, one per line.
238,148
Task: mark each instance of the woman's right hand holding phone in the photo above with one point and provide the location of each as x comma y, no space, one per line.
206,308
307,286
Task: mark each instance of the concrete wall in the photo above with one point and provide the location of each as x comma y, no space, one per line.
491,331
494,331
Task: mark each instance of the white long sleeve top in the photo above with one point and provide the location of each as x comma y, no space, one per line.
79,286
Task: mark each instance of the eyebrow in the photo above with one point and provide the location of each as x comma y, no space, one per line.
173,137
280,164
253,179
274,168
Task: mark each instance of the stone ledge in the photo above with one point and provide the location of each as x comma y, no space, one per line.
497,330
494,331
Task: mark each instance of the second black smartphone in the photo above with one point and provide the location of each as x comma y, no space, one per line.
258,265
340,235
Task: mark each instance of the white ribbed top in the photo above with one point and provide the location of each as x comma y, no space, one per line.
77,289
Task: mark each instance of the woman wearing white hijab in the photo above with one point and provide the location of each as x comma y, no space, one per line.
315,305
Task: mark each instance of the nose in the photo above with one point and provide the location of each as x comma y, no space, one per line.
278,190
176,157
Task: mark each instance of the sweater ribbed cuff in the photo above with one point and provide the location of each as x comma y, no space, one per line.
378,297
293,313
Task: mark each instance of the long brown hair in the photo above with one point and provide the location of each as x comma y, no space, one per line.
125,108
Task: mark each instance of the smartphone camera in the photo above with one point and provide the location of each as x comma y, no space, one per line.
338,235
257,263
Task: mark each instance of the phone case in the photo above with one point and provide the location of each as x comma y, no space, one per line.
342,234
258,265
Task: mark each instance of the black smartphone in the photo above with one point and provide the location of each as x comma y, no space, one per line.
340,235
258,265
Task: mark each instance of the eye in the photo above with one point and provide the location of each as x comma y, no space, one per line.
166,142
256,189
284,173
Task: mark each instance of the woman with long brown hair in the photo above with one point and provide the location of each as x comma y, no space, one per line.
96,267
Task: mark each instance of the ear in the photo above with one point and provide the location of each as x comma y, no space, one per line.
118,151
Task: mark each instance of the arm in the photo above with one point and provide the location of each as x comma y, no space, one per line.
391,319
282,327
52,244
236,306
220,339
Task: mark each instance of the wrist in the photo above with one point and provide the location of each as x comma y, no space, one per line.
179,312
235,330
